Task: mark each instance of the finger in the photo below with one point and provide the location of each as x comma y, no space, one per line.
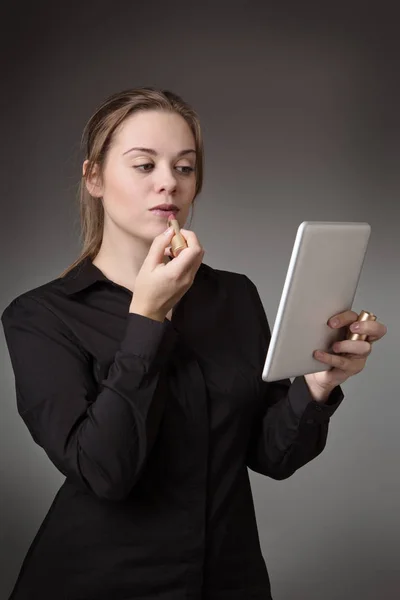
358,347
343,319
340,362
168,252
374,329
188,257
187,261
191,238
156,254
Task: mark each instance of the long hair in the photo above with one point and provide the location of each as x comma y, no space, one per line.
96,140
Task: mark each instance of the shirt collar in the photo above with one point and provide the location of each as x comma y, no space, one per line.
86,274
82,276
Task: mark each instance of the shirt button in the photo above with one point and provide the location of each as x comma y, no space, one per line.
318,407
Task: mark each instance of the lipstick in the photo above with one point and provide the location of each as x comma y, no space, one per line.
178,242
363,316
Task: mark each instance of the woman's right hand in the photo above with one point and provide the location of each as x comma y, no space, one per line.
159,286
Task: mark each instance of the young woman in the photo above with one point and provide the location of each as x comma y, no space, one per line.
139,374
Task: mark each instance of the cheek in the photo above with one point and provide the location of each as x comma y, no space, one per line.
185,193
122,194
188,187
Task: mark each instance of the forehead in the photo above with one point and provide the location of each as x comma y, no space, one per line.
154,129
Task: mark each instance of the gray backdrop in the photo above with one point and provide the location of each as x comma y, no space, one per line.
300,116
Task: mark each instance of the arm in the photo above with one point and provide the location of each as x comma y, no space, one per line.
291,428
100,441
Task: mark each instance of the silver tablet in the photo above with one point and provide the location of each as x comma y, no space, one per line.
321,281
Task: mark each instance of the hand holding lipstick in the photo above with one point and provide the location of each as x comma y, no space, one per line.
159,286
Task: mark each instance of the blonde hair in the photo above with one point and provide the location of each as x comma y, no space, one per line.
96,140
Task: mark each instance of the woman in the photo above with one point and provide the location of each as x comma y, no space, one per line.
139,374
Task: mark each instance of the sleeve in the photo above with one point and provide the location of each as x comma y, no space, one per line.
99,440
291,428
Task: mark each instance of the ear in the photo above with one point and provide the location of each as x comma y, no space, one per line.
92,181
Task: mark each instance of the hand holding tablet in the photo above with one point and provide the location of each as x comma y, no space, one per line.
321,281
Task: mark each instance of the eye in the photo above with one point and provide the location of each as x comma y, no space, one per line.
145,167
186,170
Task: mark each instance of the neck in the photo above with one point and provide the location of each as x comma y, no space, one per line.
121,257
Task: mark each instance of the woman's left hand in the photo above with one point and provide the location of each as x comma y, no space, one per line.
354,354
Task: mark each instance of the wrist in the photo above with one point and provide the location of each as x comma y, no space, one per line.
318,393
146,312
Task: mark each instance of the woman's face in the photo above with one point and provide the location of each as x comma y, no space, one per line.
151,161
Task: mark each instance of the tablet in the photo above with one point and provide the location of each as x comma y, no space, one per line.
321,281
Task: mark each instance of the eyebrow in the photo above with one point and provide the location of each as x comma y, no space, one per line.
154,153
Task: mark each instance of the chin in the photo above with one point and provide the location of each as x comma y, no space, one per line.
147,234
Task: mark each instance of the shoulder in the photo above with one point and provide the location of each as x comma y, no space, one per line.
230,289
35,314
36,299
236,296
223,276
240,283
237,286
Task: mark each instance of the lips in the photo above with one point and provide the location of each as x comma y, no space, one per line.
166,207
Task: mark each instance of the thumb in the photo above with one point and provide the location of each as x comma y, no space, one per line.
157,250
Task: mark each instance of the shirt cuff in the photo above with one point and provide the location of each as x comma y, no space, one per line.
149,339
304,405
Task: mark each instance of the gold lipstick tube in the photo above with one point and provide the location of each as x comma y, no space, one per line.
363,316
178,242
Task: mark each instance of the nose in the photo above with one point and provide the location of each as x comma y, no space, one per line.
165,181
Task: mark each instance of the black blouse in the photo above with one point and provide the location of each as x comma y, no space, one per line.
154,425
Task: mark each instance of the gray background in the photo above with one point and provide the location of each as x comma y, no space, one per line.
300,108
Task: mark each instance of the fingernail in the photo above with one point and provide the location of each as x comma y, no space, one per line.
355,326
168,231
335,322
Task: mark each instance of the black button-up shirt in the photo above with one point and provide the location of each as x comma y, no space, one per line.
154,426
